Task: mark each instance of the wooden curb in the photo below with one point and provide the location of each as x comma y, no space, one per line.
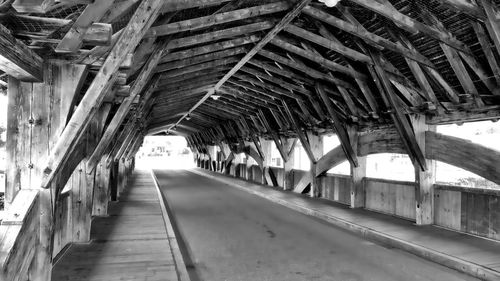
172,239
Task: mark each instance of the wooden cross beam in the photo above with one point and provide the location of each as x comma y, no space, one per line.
142,19
269,36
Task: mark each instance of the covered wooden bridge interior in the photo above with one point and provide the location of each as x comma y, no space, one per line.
88,80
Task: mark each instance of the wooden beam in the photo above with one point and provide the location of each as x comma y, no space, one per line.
331,65
137,88
73,39
274,136
177,5
466,55
484,41
202,58
197,67
277,81
466,7
299,132
32,6
17,60
403,126
368,37
277,89
205,49
304,69
220,34
216,19
142,19
329,44
411,25
459,117
271,91
339,129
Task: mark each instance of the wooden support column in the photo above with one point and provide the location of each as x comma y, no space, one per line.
236,161
289,145
101,189
316,144
37,114
121,179
266,147
424,192
357,172
212,151
113,180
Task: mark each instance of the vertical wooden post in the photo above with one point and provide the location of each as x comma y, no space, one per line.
316,144
101,188
424,192
266,161
357,173
289,145
37,113
236,162
113,180
18,136
212,152
121,182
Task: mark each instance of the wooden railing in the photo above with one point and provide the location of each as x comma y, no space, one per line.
469,210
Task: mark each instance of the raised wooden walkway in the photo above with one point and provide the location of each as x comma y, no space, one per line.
131,244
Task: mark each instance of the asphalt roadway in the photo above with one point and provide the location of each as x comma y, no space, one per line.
232,235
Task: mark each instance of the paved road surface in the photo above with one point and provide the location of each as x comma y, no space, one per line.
235,236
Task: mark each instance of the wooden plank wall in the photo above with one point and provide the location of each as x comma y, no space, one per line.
336,188
471,211
390,197
474,211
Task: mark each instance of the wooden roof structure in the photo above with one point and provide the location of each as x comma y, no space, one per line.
220,70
